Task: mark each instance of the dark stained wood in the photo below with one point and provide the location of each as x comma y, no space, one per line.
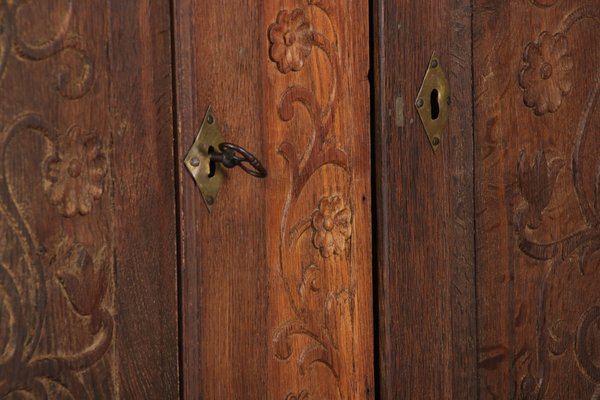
536,162
426,275
223,254
141,106
276,282
88,296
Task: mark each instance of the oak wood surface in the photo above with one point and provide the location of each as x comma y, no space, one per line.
536,173
426,261
276,281
88,296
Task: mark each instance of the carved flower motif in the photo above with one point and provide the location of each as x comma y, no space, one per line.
75,174
545,73
291,40
332,226
84,279
537,184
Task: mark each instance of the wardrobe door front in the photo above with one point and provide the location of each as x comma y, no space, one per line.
276,279
425,220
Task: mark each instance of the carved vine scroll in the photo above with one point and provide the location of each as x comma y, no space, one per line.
12,43
320,309
41,269
82,274
546,78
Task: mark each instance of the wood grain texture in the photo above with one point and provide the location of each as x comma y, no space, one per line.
276,282
536,163
88,297
426,274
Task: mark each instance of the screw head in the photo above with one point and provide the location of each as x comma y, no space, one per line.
195,162
210,119
420,103
435,141
210,200
434,64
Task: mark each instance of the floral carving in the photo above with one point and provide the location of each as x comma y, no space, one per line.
537,184
545,80
544,75
332,226
291,38
82,274
75,174
321,310
83,278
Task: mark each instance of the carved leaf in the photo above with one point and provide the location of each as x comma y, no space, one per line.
314,354
587,344
282,339
536,181
559,338
84,279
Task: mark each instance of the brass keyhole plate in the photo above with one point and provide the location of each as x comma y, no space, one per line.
198,162
433,102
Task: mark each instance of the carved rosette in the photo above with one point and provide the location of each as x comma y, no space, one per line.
74,176
546,73
291,38
332,226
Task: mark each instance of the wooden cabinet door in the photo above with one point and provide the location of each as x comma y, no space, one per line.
537,158
425,222
88,300
276,281
489,248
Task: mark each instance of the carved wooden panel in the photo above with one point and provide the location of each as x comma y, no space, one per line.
276,281
77,300
537,198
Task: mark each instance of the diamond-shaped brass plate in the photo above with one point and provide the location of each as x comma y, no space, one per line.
197,160
433,102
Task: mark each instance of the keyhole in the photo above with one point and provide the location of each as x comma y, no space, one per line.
212,166
435,105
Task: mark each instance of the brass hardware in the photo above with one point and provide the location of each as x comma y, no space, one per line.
198,163
236,156
433,101
207,165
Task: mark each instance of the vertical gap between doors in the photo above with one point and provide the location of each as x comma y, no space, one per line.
177,177
474,194
373,64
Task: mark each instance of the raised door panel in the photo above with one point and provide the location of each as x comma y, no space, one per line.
88,300
537,198
276,281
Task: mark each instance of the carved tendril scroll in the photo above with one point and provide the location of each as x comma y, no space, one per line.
545,78
12,43
82,275
318,311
